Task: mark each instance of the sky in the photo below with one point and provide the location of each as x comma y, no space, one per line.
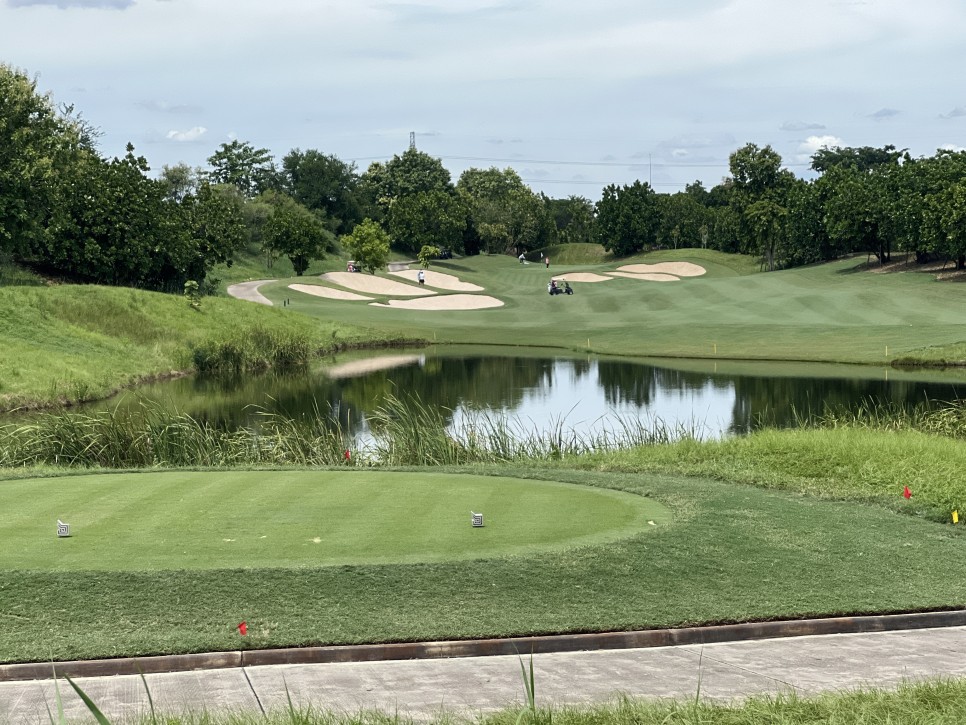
572,95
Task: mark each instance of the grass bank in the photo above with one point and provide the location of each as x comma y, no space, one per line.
69,343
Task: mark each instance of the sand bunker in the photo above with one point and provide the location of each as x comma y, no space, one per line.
648,277
370,365
440,280
680,269
361,282
327,292
582,277
445,302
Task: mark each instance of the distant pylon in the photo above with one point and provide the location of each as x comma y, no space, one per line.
412,140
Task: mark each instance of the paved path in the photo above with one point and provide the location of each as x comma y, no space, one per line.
249,291
804,665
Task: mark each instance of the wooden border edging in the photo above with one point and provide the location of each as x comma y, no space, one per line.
485,647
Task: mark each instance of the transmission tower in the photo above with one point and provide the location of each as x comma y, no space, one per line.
412,140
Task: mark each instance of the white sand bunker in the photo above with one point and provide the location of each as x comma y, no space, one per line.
440,280
327,292
651,277
680,269
582,277
372,284
370,365
445,302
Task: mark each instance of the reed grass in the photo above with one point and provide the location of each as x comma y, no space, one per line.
258,348
405,432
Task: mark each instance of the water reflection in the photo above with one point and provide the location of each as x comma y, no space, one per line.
539,391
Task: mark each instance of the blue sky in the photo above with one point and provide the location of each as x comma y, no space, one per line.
573,95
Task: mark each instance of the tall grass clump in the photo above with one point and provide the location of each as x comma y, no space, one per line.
947,419
152,437
257,348
407,431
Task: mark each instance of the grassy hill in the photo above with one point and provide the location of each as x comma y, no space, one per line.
68,343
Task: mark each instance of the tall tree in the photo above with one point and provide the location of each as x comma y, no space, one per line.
242,165
38,150
294,231
863,158
628,218
436,218
573,219
324,182
368,244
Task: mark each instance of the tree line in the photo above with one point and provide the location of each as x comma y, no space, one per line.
67,210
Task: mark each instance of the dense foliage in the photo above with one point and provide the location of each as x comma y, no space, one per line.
67,211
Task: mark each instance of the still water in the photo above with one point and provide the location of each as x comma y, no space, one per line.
542,391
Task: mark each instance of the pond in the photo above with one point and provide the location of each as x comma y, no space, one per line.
542,390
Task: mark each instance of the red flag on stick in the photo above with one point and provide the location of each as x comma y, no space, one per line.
243,628
906,493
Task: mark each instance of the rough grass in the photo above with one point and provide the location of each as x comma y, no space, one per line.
70,342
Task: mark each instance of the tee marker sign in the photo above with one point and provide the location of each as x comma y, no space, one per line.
63,530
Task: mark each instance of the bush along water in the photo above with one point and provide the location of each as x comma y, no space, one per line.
254,349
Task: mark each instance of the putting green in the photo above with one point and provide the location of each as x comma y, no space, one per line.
253,519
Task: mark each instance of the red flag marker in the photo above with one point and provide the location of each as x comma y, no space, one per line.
243,628
347,454
906,492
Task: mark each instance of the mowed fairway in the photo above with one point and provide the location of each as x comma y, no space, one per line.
829,312
252,519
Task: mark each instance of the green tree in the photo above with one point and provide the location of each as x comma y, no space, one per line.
324,182
38,155
294,231
114,226
864,158
682,219
243,166
179,181
427,254
628,218
415,172
573,219
368,244
436,218
766,220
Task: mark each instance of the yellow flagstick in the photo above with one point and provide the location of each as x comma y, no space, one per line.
955,517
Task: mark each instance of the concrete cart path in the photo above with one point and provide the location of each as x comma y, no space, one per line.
249,291
804,665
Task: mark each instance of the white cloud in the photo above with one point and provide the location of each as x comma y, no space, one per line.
809,146
192,134
953,147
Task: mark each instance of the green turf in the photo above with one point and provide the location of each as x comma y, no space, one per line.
253,519
733,553
827,312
